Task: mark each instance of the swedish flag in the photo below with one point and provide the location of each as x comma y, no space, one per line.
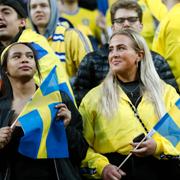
169,125
44,136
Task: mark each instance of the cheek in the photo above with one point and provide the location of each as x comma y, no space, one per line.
34,66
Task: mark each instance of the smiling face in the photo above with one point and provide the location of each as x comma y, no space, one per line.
10,23
40,12
123,59
20,62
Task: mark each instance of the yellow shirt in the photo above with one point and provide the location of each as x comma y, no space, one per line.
70,45
115,134
167,40
86,18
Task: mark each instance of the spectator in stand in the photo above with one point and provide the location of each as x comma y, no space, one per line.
82,19
44,18
130,101
94,66
19,64
12,29
167,39
148,20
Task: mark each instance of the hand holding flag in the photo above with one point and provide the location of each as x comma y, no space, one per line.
168,127
44,136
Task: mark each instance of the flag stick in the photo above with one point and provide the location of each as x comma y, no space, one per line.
130,154
14,123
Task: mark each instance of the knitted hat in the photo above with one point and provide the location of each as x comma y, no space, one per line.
16,5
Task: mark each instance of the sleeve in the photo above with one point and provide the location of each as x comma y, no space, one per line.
164,70
76,142
157,8
94,161
83,79
77,46
164,146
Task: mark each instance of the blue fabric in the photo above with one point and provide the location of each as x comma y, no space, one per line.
168,126
40,52
32,126
56,140
50,84
44,135
102,6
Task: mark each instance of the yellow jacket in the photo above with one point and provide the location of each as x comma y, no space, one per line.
70,45
115,134
167,40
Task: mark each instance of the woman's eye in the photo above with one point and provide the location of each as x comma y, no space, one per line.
7,12
30,56
16,57
121,48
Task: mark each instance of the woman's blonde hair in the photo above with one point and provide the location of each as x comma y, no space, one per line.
151,81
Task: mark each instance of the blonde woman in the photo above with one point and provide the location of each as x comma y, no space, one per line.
129,102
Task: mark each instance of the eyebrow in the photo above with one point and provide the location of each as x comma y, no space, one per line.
6,8
118,45
17,53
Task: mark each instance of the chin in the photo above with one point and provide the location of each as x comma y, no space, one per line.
4,36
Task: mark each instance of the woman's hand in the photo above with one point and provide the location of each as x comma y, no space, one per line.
5,136
147,148
111,172
63,113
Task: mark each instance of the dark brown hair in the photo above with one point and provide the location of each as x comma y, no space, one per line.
125,4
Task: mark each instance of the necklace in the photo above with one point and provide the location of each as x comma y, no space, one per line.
131,90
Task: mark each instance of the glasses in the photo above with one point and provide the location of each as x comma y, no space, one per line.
122,20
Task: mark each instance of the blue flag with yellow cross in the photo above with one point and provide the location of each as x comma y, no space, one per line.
169,126
44,135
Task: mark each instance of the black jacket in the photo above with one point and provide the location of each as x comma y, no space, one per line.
65,168
94,67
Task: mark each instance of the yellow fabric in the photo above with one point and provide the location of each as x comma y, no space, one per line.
110,2
38,118
115,134
157,8
148,24
167,40
86,18
73,44
147,21
48,61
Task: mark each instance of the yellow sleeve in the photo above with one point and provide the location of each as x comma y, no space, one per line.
167,41
77,45
163,145
158,9
93,160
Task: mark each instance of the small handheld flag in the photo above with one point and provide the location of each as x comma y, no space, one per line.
44,136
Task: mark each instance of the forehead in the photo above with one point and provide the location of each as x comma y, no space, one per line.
120,40
125,13
39,1
19,48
